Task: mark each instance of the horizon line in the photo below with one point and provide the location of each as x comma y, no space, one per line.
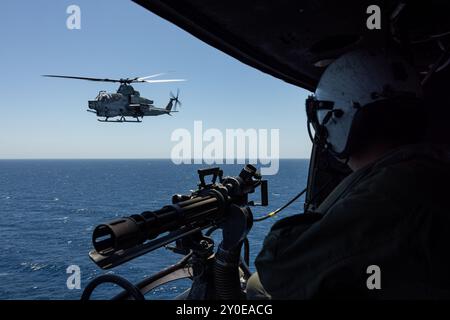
192,159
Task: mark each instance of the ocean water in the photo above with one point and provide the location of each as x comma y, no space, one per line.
48,209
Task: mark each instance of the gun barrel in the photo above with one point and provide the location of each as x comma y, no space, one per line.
131,231
126,238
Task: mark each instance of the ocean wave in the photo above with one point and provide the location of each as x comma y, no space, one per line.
34,266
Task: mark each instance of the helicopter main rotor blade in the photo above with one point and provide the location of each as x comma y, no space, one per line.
151,76
161,81
80,78
126,81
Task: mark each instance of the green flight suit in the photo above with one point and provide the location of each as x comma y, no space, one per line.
393,215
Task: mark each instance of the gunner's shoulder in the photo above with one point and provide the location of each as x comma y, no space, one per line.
415,167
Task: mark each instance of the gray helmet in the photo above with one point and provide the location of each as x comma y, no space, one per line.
354,81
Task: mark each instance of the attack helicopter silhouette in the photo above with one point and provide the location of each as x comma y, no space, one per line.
126,101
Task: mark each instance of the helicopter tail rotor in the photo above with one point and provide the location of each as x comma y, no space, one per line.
175,100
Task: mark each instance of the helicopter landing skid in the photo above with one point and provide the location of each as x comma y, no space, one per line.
122,119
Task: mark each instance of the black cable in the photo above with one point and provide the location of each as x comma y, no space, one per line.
132,290
271,214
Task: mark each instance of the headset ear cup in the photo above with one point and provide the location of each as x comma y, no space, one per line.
395,121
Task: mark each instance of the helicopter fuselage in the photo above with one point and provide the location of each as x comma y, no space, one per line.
126,102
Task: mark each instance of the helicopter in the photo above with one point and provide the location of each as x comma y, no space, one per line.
127,102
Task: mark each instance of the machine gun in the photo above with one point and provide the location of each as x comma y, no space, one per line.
222,203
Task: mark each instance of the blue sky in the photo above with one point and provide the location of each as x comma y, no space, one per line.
46,118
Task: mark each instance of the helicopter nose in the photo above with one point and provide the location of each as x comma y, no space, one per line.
92,104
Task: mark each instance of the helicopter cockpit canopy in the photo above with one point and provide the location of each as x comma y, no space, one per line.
104,96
